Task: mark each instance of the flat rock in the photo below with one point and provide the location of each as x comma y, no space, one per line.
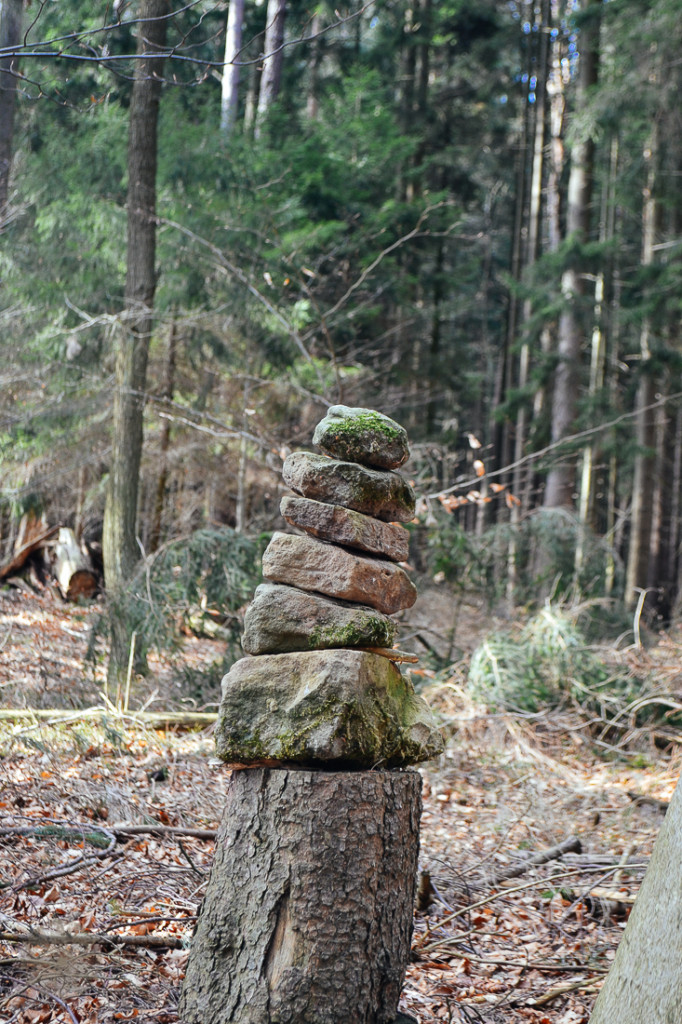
344,526
337,708
283,619
312,564
362,435
378,493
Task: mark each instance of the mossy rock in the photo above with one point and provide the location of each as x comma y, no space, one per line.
282,619
364,436
339,709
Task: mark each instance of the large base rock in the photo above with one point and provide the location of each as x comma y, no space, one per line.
315,565
281,619
307,916
328,708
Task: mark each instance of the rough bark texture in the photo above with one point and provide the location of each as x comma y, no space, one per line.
644,985
307,917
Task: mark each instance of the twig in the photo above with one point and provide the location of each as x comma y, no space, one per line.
195,869
571,845
559,990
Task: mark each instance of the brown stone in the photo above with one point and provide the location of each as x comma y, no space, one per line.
343,708
287,619
344,526
381,494
316,565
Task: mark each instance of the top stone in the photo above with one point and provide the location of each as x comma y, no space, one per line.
363,436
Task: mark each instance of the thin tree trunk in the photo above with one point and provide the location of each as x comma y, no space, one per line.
637,574
10,35
273,60
231,71
312,99
164,441
120,548
307,916
561,478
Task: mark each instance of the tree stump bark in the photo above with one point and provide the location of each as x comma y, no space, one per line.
307,917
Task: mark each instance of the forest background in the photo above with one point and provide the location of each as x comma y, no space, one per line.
217,220
464,214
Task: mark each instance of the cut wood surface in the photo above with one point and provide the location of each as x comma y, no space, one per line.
307,916
72,567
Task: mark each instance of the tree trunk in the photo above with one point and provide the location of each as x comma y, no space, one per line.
230,81
10,35
120,547
273,60
307,917
644,985
561,478
164,441
637,574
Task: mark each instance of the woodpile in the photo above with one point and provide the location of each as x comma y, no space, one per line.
45,555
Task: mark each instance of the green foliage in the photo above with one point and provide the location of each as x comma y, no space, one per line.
545,665
544,557
210,573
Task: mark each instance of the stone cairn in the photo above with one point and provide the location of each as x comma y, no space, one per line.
307,917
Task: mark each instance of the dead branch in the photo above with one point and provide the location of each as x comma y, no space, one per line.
46,937
158,719
570,845
25,550
164,830
641,799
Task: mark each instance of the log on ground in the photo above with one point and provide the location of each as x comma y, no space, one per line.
307,917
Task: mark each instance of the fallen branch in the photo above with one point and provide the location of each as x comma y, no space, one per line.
97,836
49,716
164,830
571,845
586,984
67,869
45,937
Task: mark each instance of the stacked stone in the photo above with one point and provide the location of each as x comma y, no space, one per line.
322,688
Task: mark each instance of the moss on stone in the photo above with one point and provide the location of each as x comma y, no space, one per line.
367,632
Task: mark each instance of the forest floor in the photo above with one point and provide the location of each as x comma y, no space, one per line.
103,856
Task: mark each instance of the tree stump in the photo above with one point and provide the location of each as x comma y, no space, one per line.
307,917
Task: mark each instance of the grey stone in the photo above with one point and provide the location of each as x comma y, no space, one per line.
312,564
344,526
364,436
337,708
378,493
283,619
